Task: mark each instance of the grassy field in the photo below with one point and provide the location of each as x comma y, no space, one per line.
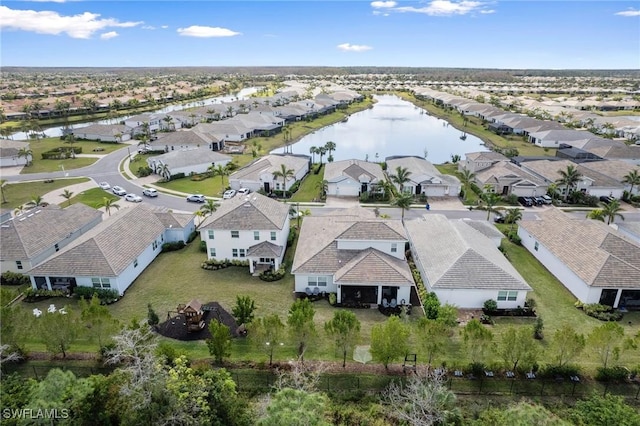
470,197
42,166
93,197
17,194
308,190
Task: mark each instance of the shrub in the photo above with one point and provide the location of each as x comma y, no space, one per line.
152,317
560,371
106,296
144,171
514,238
177,176
172,246
602,312
538,326
291,237
272,275
214,264
192,236
332,298
32,295
203,246
612,374
14,278
294,188
490,306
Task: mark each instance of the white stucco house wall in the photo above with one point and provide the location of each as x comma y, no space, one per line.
259,175
596,263
120,248
424,178
188,161
350,178
114,133
9,150
462,265
476,161
356,256
31,237
251,228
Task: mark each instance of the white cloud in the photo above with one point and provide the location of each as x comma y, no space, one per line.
148,27
628,13
383,4
201,31
445,8
109,35
487,11
346,47
164,27
48,22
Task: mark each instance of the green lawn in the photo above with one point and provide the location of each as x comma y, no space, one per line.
211,187
93,197
308,190
17,194
42,166
470,197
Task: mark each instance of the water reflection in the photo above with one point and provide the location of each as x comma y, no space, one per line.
392,127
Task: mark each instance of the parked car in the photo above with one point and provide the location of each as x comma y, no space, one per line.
525,201
196,198
118,190
606,199
134,198
498,218
243,191
104,185
230,193
150,192
539,200
547,199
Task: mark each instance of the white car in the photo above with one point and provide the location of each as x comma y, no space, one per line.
230,193
243,191
118,190
196,198
150,192
133,198
104,185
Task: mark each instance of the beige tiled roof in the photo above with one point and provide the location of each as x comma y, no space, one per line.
265,249
269,164
616,169
550,170
485,156
374,230
107,249
10,148
453,255
422,171
506,170
374,266
39,229
485,228
253,211
595,252
353,169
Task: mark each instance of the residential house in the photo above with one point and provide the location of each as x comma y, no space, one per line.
115,133
591,181
506,178
137,122
629,229
424,178
615,169
553,138
187,161
254,228
350,178
115,252
9,153
476,161
360,258
33,236
259,174
187,139
461,263
592,260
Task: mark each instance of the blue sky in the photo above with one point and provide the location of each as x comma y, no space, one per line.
441,33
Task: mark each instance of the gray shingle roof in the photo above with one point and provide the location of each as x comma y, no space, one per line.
373,230
254,211
595,252
374,266
39,229
269,164
107,249
453,255
265,249
485,228
190,157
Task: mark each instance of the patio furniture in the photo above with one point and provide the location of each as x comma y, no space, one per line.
458,373
393,303
316,291
510,375
488,373
308,291
531,376
385,303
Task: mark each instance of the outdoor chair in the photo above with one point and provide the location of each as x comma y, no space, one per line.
316,291
393,303
385,303
308,291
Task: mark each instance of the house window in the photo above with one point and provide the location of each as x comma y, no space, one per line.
256,235
57,247
234,252
210,234
18,264
317,281
235,234
510,296
135,263
273,235
535,246
242,252
212,252
101,282
394,247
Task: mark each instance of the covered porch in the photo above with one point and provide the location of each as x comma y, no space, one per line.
380,294
264,256
66,284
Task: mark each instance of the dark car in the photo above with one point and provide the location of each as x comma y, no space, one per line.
525,201
498,218
605,199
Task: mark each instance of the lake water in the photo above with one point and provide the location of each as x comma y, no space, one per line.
392,127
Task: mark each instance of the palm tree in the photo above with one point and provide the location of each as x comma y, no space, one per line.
70,139
322,151
633,179
209,207
221,171
256,148
455,158
285,174
36,200
331,146
569,178
403,201
313,151
596,214
489,200
108,204
164,170
67,194
322,187
387,188
27,154
19,210
401,177
4,200
512,216
169,120
612,210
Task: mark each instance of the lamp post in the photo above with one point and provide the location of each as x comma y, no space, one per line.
128,154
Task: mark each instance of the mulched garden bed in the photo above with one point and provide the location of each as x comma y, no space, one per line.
175,327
